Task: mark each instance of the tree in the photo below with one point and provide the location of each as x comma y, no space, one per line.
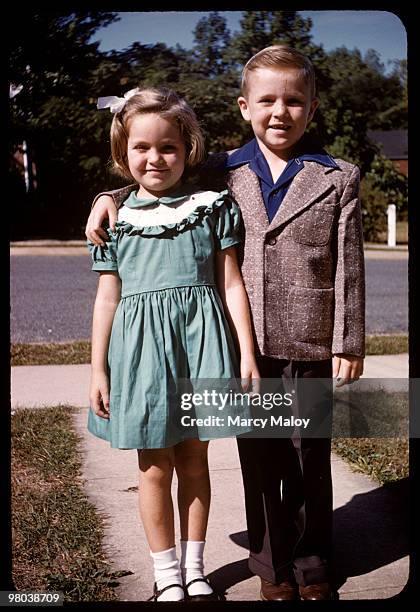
395,116
356,100
261,29
152,65
56,114
381,186
52,55
360,85
211,39
209,82
392,183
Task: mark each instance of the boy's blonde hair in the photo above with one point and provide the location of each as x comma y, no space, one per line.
279,56
165,103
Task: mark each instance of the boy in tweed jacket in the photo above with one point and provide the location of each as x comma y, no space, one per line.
303,269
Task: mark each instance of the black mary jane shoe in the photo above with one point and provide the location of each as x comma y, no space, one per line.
204,597
157,593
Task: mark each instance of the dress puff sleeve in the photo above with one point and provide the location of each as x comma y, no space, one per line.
229,225
104,258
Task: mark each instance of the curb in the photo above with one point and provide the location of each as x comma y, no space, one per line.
374,246
48,243
368,246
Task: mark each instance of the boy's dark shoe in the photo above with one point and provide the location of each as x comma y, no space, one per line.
285,591
315,591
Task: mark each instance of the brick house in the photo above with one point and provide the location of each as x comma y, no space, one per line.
394,145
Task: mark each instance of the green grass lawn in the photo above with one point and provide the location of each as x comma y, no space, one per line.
57,533
54,353
386,344
383,459
381,415
59,353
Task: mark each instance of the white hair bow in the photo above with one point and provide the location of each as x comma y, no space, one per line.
114,103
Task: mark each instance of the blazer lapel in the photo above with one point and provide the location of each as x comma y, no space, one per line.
307,186
245,188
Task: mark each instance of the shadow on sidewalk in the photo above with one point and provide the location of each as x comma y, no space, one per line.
369,532
230,574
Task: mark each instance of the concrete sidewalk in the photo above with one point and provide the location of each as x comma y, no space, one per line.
35,386
78,247
371,545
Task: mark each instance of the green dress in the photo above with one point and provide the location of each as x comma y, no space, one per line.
169,335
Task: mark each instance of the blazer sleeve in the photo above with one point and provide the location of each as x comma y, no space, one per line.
118,195
349,285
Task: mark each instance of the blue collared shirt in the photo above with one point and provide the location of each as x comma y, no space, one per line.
273,193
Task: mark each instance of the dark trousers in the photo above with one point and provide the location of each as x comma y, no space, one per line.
288,489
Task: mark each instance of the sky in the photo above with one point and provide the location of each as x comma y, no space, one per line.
379,30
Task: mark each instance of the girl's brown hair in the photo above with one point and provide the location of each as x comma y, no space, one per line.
165,103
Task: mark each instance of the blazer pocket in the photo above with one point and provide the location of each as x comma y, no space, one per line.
310,314
314,225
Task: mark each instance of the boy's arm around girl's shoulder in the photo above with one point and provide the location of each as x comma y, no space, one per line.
118,195
349,285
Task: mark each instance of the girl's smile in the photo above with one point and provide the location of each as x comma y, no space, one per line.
156,171
156,154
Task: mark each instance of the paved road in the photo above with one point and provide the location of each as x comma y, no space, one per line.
52,297
386,295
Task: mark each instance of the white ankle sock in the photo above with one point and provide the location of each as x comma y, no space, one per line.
167,571
192,566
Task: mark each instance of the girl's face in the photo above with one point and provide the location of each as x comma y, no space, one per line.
156,154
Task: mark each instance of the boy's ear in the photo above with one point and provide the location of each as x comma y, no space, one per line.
243,105
314,106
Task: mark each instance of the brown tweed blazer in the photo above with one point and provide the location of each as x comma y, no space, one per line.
304,271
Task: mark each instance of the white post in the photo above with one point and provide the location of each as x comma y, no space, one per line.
392,225
25,165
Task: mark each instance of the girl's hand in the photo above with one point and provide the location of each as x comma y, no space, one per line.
250,376
104,209
99,394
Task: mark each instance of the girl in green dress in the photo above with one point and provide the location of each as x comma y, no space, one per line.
170,307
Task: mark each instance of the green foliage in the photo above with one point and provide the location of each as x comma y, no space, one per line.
355,98
374,209
63,73
397,113
360,85
347,136
381,186
261,29
51,56
211,40
389,181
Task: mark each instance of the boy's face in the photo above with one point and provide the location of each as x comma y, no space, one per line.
279,106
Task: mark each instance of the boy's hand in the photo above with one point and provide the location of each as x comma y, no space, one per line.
99,394
250,376
104,209
347,368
